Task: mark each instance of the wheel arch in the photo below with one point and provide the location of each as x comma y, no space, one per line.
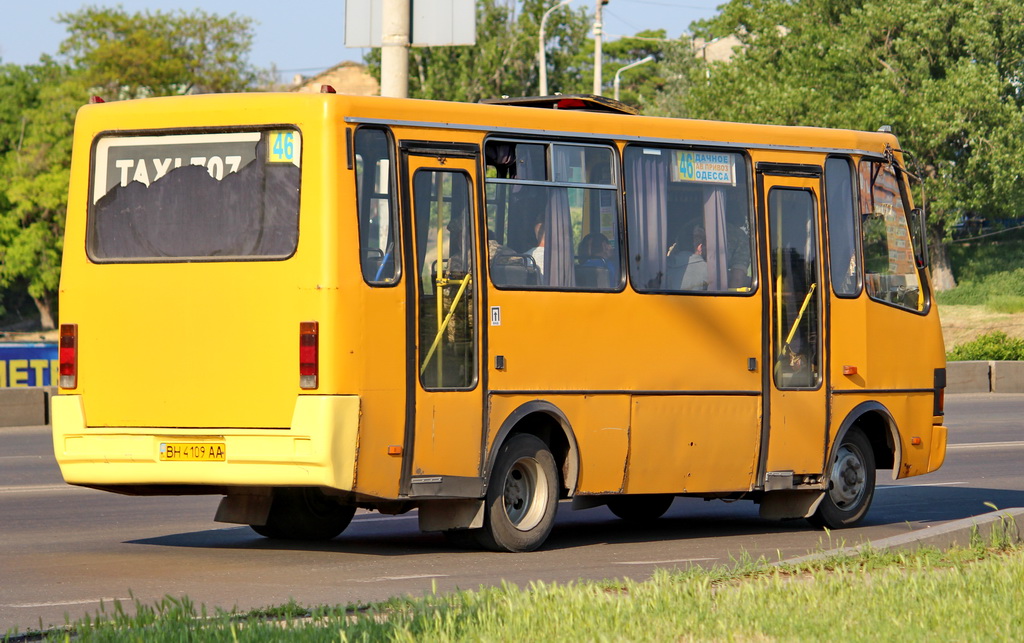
879,427
548,423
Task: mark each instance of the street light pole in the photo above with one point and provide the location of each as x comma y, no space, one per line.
624,68
394,51
542,50
598,26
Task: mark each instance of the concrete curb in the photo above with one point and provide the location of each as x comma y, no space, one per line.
984,377
1004,523
25,406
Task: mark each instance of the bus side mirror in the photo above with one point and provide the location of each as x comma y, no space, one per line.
919,232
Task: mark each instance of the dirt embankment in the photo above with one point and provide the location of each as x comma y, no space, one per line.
961,324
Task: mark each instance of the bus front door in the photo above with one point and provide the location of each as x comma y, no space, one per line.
794,435
444,423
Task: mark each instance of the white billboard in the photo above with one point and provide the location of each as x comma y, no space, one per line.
435,23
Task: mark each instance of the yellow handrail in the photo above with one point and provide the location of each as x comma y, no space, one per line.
799,315
447,320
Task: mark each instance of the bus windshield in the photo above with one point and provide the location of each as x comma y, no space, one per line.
195,197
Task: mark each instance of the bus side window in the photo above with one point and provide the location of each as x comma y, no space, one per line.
844,260
889,263
552,215
689,217
375,206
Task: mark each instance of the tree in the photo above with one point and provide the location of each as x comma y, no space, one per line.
16,94
504,60
946,76
118,55
645,86
133,55
34,172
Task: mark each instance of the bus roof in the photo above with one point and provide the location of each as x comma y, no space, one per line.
501,116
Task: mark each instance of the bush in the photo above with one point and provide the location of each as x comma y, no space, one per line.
990,346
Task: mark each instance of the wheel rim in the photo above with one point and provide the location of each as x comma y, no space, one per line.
847,482
525,494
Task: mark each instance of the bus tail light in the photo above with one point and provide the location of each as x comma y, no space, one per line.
939,384
309,355
69,356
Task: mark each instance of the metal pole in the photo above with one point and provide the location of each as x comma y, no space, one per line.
542,50
598,25
624,68
394,53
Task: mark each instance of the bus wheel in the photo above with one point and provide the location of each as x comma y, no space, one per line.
641,507
851,484
522,496
301,513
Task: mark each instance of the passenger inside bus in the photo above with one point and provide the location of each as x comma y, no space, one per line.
598,265
687,267
537,252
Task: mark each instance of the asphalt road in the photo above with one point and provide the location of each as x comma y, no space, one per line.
64,549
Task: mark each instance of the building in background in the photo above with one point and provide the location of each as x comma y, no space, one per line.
346,78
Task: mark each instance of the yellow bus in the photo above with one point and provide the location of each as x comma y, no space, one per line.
310,304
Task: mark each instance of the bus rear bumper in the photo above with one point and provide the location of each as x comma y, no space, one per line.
937,453
318,449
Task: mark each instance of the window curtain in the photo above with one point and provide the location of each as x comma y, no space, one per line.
647,202
558,250
716,250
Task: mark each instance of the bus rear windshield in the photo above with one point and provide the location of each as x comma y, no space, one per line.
195,197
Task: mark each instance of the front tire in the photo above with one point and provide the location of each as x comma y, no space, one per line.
851,484
522,496
304,513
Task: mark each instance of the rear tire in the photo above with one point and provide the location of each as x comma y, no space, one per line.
640,507
304,513
522,496
851,484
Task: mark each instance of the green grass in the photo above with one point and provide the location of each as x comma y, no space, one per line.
979,291
989,272
1007,304
974,593
975,260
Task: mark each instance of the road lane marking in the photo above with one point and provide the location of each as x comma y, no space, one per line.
1016,444
663,562
85,601
410,577
921,484
42,488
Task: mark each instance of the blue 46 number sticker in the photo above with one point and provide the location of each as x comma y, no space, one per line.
284,147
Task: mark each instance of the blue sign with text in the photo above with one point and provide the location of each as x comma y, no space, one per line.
23,365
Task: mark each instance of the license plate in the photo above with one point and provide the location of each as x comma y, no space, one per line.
192,451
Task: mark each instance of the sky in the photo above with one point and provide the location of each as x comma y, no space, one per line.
302,36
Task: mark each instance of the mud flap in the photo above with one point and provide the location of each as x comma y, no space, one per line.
251,508
787,504
443,515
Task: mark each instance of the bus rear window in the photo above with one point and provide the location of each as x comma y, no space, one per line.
195,197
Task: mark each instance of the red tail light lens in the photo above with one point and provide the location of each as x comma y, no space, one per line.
69,356
309,355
